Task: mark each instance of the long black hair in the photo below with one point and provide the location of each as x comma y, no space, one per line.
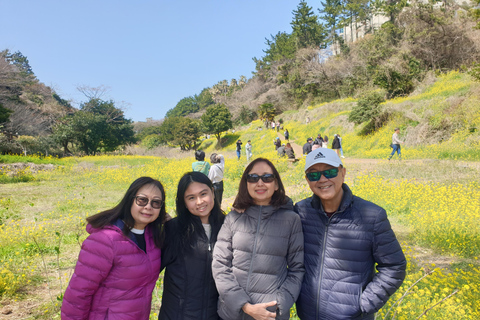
122,211
190,227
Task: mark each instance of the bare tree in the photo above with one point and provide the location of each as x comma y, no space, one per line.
93,92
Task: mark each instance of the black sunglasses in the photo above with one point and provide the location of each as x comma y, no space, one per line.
267,178
329,174
143,201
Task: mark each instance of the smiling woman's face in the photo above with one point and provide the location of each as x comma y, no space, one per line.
199,200
260,191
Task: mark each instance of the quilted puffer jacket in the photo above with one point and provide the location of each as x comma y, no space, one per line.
113,278
340,255
189,292
258,258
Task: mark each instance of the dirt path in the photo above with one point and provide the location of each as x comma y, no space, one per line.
296,148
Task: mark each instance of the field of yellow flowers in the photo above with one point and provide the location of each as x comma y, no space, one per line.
42,226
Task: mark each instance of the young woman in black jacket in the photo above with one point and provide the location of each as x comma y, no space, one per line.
189,291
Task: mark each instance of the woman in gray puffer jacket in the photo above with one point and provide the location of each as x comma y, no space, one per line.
258,259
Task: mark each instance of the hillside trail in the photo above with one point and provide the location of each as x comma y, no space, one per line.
296,148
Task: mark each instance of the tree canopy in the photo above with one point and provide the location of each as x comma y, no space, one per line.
97,126
216,120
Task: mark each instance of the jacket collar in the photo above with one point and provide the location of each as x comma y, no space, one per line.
347,200
267,211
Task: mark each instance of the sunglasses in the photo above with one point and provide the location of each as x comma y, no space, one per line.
267,178
143,201
329,174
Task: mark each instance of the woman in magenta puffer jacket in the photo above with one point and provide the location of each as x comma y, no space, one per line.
119,262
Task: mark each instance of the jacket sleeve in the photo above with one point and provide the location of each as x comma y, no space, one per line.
290,289
93,266
168,248
230,292
391,266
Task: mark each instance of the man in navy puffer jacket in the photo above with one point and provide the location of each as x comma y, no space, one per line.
345,238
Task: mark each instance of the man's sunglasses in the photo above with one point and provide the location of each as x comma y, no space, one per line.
143,201
329,174
267,178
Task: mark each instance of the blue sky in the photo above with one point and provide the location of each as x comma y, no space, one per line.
150,54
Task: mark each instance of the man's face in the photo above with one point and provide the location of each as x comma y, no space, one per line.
328,190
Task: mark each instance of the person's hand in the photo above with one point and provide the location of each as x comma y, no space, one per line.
259,311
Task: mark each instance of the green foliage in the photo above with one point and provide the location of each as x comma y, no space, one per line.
267,111
204,99
281,46
185,106
98,126
20,61
4,114
474,70
180,131
398,79
246,115
308,32
187,132
151,141
192,104
216,120
476,14
368,109
148,131
61,101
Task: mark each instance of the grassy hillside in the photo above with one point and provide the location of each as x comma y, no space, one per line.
441,120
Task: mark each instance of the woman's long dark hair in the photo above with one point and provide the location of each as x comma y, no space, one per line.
190,227
243,200
122,211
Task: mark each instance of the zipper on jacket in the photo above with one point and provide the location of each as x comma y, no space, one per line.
254,248
321,268
206,284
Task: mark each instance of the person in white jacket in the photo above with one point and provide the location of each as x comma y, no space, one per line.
248,148
396,144
216,175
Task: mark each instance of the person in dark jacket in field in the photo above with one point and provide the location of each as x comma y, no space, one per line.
289,151
189,291
336,144
258,259
307,147
353,261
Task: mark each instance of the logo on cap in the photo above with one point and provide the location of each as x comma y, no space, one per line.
318,156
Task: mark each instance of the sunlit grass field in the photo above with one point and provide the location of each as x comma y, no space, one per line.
43,224
432,198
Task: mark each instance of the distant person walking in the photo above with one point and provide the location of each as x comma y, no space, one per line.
336,145
239,148
286,134
341,148
307,147
396,144
216,175
200,165
273,125
248,148
307,120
